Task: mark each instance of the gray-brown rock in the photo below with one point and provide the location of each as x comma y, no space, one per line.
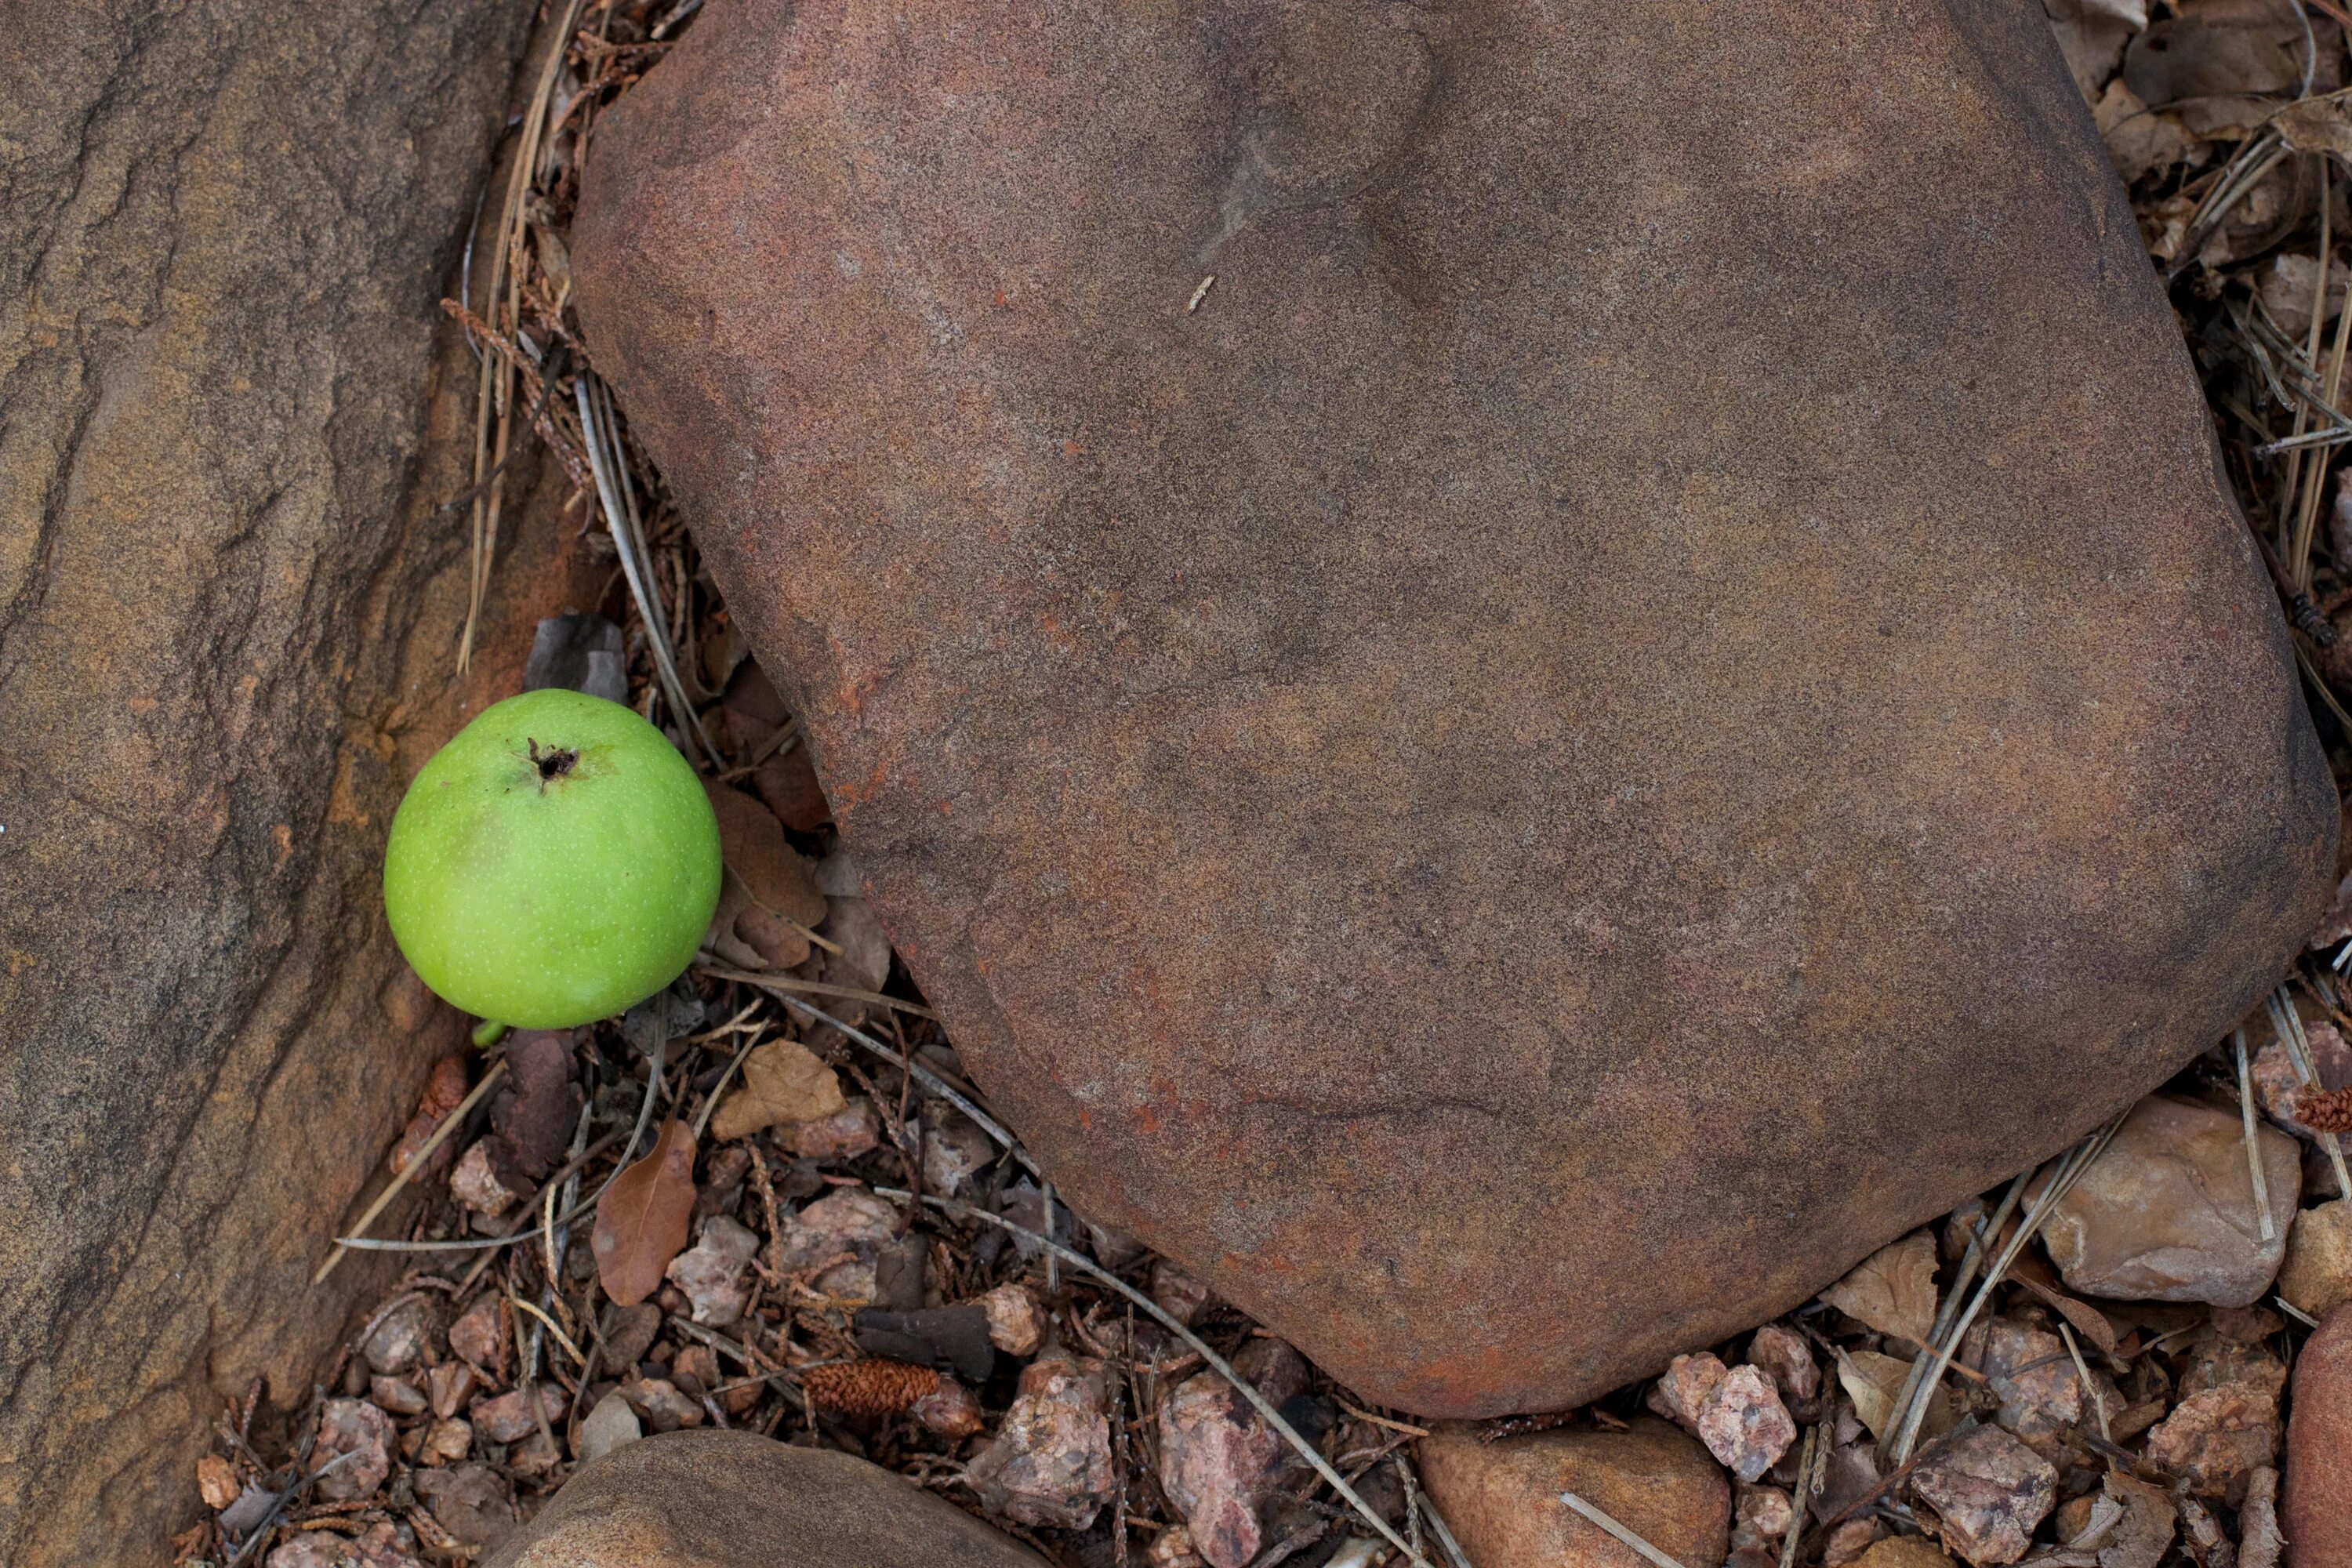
2167,1212
1988,1491
2315,1492
1334,589
1502,1501
229,611
735,1499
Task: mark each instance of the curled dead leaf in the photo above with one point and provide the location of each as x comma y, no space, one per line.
782,1083
642,1217
752,842
1892,1289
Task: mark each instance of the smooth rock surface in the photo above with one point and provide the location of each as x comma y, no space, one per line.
736,1499
2315,1493
228,611
1502,1501
1403,607
2166,1213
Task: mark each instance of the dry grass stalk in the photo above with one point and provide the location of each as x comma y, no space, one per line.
502,306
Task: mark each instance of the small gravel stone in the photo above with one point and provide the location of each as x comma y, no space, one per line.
1744,1425
2166,1213
1220,1463
1016,1320
950,1410
399,1342
1049,1464
855,1129
1178,1293
356,1428
1502,1499
1783,1354
2217,1438
610,1423
715,1272
662,1406
448,1386
850,1224
478,1335
2316,1277
2041,1394
470,1502
475,1184
397,1394
1905,1552
507,1418
447,1441
1988,1490
954,1150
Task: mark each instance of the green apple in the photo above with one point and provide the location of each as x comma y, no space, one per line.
555,863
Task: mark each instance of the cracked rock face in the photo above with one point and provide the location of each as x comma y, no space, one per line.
1607,602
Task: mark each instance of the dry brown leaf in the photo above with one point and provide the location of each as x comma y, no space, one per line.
641,1219
1875,1381
2086,1320
1892,1289
2318,125
782,1083
2143,1534
752,842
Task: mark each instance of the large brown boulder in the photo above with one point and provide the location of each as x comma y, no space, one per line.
1654,683
736,1499
229,606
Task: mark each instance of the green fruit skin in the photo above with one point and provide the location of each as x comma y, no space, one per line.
549,902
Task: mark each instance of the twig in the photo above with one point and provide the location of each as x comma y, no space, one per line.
2083,1371
619,499
1619,1531
1198,1345
496,392
775,980
1811,1459
561,1337
1980,1241
1366,1415
2069,1171
2289,1029
2253,1145
745,1049
417,1163
2298,1313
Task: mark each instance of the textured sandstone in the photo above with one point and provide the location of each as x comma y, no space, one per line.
227,610
1606,599
1502,1500
734,1500
2315,1502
